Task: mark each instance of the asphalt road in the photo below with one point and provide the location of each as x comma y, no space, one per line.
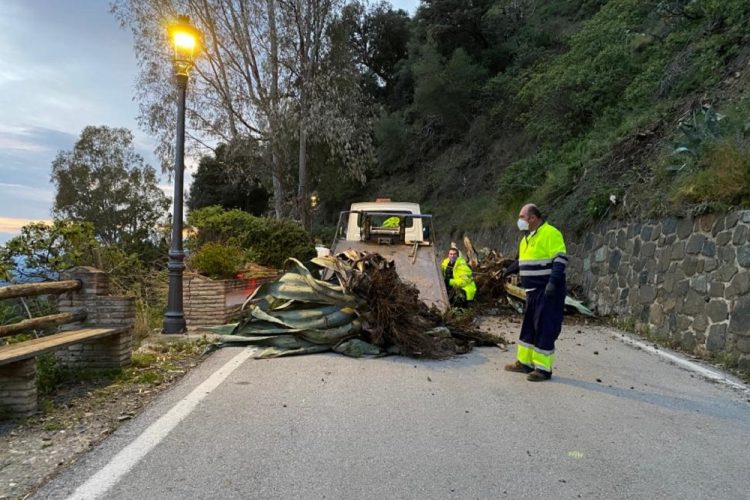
615,422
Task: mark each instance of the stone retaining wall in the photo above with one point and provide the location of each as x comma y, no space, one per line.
685,280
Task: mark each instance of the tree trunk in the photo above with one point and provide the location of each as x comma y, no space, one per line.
274,113
303,202
277,176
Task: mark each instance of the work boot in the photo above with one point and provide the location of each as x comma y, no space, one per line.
518,367
538,376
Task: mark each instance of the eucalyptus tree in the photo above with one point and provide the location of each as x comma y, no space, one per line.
329,104
269,72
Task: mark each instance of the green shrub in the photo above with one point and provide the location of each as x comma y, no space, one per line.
598,205
143,359
217,260
392,137
48,373
269,241
725,177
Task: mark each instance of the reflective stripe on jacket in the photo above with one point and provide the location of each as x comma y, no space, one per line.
462,277
542,257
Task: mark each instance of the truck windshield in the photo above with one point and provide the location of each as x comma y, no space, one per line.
386,219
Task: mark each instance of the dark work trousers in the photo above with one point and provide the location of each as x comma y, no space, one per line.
541,326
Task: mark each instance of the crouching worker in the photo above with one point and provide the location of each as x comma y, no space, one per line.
458,280
392,222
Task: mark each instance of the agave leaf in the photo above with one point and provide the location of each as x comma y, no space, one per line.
682,149
333,292
223,329
515,304
319,313
274,352
261,328
332,336
308,319
578,306
264,316
279,305
676,168
280,341
357,348
281,292
329,262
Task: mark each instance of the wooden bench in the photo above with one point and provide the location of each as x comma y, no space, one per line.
97,334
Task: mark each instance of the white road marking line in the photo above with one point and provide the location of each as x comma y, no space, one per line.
98,484
702,370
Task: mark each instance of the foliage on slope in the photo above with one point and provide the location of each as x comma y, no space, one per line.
571,104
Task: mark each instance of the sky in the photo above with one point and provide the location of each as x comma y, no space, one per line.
64,64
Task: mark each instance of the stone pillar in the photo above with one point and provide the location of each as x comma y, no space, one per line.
102,311
95,284
18,388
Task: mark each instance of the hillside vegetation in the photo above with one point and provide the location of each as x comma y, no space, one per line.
591,108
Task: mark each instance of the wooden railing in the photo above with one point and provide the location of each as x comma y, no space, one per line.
100,339
45,288
34,289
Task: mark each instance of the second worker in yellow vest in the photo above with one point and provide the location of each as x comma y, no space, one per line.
459,279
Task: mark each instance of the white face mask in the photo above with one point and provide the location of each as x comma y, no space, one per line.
522,225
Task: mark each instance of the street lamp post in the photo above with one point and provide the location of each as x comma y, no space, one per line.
184,39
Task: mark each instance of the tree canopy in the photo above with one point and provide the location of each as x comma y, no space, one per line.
480,104
230,179
104,181
270,71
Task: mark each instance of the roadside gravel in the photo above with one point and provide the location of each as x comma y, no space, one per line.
81,414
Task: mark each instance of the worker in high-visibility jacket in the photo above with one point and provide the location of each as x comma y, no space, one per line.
542,260
459,279
392,222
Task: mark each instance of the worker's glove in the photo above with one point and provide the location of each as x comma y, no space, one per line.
452,283
550,290
504,275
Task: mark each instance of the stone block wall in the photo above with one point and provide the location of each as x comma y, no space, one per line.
686,280
18,388
205,300
108,352
102,310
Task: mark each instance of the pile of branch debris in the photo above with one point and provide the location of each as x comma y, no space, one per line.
493,289
363,309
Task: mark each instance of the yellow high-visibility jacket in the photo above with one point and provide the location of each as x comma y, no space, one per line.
462,277
542,257
392,222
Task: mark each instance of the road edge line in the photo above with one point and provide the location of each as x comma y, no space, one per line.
109,475
684,363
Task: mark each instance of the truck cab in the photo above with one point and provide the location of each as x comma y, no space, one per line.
398,231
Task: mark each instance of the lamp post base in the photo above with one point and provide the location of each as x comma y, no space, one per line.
174,324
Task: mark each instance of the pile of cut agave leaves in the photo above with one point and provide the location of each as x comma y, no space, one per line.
368,312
